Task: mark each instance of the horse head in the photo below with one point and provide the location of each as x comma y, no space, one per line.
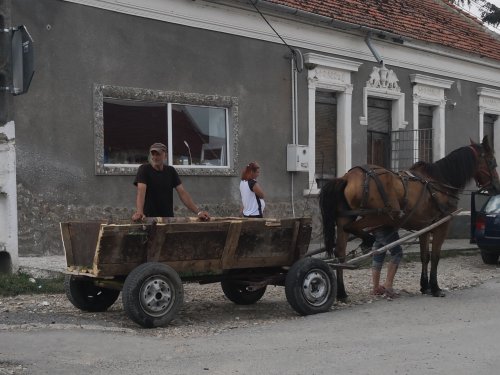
486,175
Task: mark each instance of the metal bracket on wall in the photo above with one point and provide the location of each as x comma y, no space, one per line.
21,57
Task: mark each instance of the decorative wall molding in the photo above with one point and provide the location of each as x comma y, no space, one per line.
489,100
383,78
131,93
430,81
383,83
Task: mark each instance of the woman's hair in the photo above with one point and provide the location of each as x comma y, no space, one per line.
247,172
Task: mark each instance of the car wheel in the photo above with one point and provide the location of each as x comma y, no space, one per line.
310,286
239,294
86,296
152,294
489,257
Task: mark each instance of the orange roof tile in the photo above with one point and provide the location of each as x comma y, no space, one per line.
434,21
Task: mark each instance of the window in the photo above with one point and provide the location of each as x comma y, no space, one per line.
195,128
378,132
425,120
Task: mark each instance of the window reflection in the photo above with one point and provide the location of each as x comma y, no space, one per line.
493,205
199,133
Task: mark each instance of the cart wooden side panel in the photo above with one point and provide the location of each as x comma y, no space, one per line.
80,242
188,247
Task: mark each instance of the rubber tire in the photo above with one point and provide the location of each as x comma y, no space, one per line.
296,279
489,257
239,294
86,296
145,275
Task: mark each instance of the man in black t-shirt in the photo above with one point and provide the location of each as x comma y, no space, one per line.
155,183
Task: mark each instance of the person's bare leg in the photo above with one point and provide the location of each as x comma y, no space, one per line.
377,289
391,273
392,268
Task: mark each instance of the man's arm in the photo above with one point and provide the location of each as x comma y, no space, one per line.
139,202
188,202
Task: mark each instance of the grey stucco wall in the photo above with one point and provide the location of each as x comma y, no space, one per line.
78,46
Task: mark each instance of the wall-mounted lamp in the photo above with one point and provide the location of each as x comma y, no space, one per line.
451,104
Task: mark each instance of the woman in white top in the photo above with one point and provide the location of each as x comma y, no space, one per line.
252,195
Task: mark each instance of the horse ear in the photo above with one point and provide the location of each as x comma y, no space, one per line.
472,142
486,144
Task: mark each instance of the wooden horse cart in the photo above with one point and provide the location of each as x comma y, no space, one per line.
148,262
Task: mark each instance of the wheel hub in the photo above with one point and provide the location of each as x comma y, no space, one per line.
156,296
315,287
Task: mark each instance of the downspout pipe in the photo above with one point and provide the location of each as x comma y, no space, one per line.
368,41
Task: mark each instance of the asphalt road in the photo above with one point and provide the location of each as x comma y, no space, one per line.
458,334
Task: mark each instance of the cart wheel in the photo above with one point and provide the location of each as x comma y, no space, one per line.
239,294
310,286
86,296
152,294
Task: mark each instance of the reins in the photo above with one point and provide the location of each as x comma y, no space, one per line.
491,167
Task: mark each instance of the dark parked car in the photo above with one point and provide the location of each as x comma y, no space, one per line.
485,226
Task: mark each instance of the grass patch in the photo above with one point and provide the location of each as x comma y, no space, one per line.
22,283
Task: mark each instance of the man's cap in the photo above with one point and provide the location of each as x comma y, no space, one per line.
158,147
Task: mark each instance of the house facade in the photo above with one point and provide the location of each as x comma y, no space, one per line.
335,85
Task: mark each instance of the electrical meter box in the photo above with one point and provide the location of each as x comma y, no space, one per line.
297,159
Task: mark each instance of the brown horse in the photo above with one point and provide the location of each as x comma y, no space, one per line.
369,197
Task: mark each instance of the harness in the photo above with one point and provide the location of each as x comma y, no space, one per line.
372,172
432,187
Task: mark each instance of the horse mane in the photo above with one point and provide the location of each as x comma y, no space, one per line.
455,169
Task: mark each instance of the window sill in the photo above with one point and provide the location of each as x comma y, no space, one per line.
182,170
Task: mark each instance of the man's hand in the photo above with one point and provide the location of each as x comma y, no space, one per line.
203,216
138,216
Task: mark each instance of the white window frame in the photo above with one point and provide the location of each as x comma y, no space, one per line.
489,104
383,90
230,104
330,74
429,91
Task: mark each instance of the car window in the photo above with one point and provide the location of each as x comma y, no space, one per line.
493,205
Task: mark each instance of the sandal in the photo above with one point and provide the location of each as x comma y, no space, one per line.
378,291
391,293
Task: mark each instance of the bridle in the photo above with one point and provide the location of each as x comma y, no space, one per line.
490,173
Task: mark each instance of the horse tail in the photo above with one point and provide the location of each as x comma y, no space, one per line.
329,197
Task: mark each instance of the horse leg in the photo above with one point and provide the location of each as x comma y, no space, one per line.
340,252
424,258
438,238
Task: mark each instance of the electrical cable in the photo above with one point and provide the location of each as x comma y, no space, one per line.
294,53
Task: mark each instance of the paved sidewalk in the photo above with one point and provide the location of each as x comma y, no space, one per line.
49,266
43,267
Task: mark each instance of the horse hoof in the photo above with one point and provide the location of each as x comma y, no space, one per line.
426,292
343,299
